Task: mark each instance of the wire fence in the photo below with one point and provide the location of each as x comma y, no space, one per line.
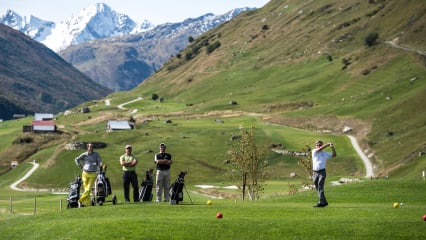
31,205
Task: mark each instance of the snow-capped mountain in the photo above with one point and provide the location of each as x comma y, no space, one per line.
94,22
111,48
121,63
31,26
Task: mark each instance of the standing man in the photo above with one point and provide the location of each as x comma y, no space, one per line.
319,160
128,161
163,161
91,163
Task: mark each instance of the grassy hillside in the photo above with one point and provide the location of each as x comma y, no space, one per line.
307,65
35,79
298,71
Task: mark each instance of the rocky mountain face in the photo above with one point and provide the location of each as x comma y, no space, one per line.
121,63
96,21
109,47
36,79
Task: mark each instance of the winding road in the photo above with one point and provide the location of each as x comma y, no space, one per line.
368,166
369,172
27,175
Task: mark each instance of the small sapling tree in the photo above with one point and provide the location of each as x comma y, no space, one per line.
248,163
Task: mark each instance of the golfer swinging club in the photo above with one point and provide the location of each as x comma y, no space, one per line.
319,160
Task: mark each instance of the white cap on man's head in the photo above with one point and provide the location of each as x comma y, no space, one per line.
128,146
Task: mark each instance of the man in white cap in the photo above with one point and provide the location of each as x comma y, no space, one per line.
128,162
319,160
163,161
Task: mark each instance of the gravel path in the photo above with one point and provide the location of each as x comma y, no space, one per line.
368,166
27,175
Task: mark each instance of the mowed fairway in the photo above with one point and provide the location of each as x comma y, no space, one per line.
357,211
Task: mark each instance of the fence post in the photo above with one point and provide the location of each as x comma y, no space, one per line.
35,205
10,205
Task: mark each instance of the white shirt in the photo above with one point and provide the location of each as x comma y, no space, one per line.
319,159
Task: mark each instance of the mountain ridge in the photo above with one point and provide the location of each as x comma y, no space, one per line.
93,22
35,79
111,48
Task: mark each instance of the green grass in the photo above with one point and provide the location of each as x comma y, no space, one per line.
198,145
358,210
269,74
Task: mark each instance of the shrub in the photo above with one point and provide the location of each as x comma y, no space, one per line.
371,39
188,56
213,47
154,96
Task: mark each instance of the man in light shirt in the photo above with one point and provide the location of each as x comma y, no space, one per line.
128,162
91,163
319,161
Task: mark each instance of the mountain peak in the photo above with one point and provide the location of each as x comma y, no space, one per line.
96,21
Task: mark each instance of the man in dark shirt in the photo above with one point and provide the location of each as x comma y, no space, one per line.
163,161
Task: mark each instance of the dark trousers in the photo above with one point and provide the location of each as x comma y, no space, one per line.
130,177
319,181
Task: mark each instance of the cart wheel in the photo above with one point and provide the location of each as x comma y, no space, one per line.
114,200
72,205
101,203
92,202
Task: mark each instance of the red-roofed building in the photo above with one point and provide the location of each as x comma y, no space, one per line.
43,126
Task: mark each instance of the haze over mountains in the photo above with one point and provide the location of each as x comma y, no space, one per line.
111,48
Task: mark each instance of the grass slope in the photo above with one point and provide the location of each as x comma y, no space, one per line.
286,87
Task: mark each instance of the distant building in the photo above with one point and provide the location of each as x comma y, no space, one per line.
43,122
113,125
27,128
43,116
44,126
16,116
85,110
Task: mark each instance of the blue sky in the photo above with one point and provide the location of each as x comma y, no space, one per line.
155,11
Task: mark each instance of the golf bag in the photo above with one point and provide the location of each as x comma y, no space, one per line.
176,189
145,192
102,189
74,194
